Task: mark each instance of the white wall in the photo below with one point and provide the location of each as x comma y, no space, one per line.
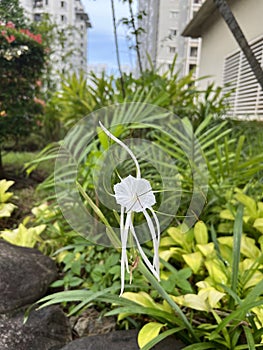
218,42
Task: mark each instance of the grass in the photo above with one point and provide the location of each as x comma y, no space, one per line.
17,161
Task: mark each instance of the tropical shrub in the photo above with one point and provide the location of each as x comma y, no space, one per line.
221,309
207,279
22,58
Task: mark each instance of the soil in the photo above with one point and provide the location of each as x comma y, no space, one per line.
25,194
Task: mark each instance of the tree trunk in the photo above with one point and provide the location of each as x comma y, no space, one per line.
2,172
137,44
117,47
235,29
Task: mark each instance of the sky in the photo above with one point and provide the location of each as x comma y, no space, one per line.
101,48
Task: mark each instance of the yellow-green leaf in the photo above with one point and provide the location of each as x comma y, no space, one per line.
216,271
254,280
258,224
193,260
140,298
226,214
4,186
166,241
166,254
249,248
6,209
206,249
148,332
22,236
212,296
200,233
196,302
249,203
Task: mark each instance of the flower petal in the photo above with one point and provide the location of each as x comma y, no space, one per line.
134,194
124,259
144,257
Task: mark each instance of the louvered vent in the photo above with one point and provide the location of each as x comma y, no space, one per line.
247,98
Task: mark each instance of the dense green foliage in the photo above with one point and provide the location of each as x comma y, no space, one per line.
22,59
11,11
210,293
208,277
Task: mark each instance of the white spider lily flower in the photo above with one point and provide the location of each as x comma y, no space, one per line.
135,195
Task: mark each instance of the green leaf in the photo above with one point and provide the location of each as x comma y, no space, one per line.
4,186
258,224
193,260
249,337
193,301
160,337
140,298
6,209
249,203
201,346
148,332
238,227
207,250
200,233
156,285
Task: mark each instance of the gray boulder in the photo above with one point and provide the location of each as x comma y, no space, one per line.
119,340
25,275
45,329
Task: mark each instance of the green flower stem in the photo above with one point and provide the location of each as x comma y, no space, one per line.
109,230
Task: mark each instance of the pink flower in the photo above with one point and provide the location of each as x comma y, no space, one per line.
10,25
37,37
38,100
10,38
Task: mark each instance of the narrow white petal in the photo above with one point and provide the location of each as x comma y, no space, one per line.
124,259
114,138
155,242
157,263
144,257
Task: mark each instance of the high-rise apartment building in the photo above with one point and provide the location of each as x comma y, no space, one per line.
162,40
66,14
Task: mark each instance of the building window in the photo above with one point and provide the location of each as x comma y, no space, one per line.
173,32
37,17
173,14
46,2
172,49
193,51
192,67
63,18
37,3
247,97
197,1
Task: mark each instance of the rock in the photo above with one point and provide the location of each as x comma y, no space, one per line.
45,329
25,275
90,323
119,340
